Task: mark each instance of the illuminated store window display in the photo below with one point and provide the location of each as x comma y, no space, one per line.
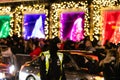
4,26
58,9
72,26
33,26
24,13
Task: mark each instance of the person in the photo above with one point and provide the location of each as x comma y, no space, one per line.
28,46
89,46
69,45
5,50
46,46
36,49
52,62
110,65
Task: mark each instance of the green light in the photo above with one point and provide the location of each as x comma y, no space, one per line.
4,26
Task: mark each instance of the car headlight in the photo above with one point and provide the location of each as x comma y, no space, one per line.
2,75
12,69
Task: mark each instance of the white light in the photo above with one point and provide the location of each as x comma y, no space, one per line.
12,69
23,75
2,75
99,78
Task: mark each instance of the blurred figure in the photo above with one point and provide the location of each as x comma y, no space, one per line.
36,49
41,42
108,45
28,46
6,51
89,46
110,65
101,53
46,45
69,45
52,62
20,46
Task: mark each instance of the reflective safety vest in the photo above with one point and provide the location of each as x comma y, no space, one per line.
47,58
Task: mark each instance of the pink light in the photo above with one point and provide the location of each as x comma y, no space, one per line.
77,30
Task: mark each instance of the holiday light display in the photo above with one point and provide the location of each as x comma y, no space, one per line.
93,28
58,8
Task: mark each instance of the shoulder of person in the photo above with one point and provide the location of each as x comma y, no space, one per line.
43,54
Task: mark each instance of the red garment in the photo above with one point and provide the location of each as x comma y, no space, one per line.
62,46
35,52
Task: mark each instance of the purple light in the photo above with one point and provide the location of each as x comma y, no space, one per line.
77,30
72,26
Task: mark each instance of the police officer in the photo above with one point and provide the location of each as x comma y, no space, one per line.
52,62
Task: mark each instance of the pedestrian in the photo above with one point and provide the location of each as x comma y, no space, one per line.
110,65
52,62
36,49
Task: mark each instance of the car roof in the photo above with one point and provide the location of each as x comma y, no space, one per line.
84,53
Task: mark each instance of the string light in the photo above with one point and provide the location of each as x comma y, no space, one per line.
19,15
97,6
56,10
6,10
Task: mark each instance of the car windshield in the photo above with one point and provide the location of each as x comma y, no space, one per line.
5,60
78,62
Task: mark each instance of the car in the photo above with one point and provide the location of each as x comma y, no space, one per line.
8,64
7,68
73,70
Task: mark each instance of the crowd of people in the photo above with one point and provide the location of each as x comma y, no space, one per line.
108,54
